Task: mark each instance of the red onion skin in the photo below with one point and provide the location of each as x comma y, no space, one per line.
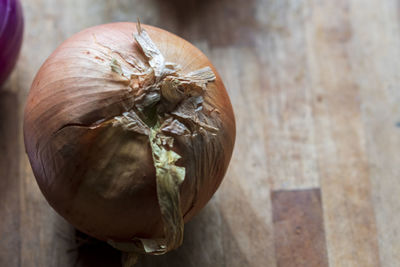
11,31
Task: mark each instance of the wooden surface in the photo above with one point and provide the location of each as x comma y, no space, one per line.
315,175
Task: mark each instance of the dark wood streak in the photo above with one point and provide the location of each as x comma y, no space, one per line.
299,228
10,244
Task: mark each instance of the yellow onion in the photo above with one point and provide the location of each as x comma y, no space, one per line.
129,131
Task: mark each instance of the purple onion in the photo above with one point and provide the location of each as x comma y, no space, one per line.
11,29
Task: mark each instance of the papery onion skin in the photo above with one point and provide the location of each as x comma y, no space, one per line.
99,177
11,31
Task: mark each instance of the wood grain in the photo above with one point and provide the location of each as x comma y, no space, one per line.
342,161
315,89
375,53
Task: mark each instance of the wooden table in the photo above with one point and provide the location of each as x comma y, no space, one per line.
315,175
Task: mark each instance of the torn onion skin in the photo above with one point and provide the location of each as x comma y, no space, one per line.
99,176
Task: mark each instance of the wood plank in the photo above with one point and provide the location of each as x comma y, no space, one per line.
286,104
343,166
299,228
10,239
375,53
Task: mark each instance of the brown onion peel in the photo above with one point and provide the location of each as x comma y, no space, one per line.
169,89
99,117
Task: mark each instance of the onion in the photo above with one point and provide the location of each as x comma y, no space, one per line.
129,131
11,29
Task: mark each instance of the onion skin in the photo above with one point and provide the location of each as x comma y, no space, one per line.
11,31
101,178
